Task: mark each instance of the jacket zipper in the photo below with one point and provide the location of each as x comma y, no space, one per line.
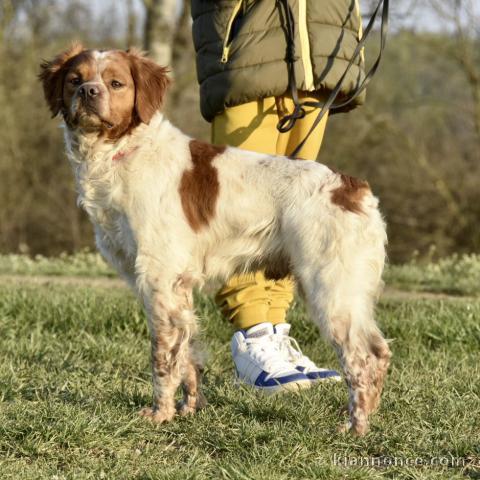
305,45
227,41
360,29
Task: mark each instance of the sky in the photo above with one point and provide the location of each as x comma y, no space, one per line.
417,14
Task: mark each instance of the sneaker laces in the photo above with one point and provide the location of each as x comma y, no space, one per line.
289,346
265,351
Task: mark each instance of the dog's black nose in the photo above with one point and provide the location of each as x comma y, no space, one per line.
89,91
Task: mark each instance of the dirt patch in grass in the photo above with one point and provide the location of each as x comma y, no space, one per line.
389,293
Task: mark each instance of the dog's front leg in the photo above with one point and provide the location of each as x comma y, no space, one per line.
193,398
192,369
172,324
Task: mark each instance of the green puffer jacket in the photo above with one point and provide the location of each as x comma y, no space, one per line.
241,49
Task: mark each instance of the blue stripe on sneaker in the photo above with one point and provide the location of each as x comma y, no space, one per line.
321,374
294,377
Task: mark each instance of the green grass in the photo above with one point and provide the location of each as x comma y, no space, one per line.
84,263
456,275
74,371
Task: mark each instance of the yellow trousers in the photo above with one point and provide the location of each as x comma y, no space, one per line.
250,299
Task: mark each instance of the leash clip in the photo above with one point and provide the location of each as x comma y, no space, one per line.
287,122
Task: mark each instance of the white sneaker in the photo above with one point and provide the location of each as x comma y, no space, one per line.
292,353
260,364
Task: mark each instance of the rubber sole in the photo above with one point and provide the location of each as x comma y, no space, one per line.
276,389
326,379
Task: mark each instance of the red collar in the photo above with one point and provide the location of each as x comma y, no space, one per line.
121,154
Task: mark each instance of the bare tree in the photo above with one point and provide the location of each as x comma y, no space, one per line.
182,50
160,24
131,24
463,19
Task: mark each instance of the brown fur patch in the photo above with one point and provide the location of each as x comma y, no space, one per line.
199,187
350,194
52,74
151,82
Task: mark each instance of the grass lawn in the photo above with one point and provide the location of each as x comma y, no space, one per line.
74,371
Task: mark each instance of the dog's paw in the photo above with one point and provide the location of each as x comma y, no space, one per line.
157,415
356,429
191,406
184,409
359,429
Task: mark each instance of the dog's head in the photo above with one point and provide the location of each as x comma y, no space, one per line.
104,92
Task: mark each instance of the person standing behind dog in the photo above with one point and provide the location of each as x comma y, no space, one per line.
242,69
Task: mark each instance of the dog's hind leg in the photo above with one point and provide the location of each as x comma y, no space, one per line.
341,287
364,355
172,324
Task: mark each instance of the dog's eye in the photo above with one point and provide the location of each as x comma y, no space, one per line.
116,84
75,81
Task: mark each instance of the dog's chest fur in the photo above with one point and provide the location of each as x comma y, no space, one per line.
100,194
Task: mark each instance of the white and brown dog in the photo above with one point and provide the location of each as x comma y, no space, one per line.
170,211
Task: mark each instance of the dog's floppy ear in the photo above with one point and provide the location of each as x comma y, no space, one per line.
52,74
150,80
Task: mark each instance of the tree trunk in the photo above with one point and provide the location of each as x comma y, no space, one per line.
131,25
182,48
160,25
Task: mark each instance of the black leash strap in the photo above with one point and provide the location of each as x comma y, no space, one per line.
288,121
